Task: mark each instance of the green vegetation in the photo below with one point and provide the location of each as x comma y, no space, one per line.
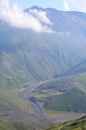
63,94
79,124
14,125
72,101
11,95
20,125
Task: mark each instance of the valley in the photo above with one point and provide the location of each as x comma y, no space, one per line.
53,116
43,74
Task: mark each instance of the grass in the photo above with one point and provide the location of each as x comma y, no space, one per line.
11,94
19,125
63,94
13,125
79,124
4,127
7,109
72,101
57,113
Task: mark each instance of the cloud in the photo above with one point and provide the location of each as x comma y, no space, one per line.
77,5
66,6
41,15
16,17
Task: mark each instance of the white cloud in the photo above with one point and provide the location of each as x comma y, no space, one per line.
18,18
77,5
41,15
66,6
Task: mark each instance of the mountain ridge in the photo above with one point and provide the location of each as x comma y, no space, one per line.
55,61
32,57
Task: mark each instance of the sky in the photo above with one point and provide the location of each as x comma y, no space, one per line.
41,3
76,5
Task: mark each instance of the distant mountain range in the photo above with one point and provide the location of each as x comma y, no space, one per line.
28,57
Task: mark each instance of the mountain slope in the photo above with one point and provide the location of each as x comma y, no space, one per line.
28,57
79,124
80,68
74,100
67,93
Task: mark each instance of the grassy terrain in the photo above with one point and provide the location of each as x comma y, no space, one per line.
74,100
79,124
63,94
19,125
15,113
11,94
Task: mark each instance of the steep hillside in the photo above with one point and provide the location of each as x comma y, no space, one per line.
79,68
28,57
73,101
65,93
79,124
20,125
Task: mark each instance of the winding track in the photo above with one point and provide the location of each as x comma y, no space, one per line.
25,95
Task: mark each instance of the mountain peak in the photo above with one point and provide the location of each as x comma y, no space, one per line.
35,7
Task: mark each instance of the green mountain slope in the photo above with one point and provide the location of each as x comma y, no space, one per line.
80,68
79,124
73,101
65,93
20,125
28,57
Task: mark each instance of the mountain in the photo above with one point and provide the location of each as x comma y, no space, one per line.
64,94
43,72
79,68
28,57
67,93
79,124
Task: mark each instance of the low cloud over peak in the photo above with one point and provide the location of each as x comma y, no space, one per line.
16,17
